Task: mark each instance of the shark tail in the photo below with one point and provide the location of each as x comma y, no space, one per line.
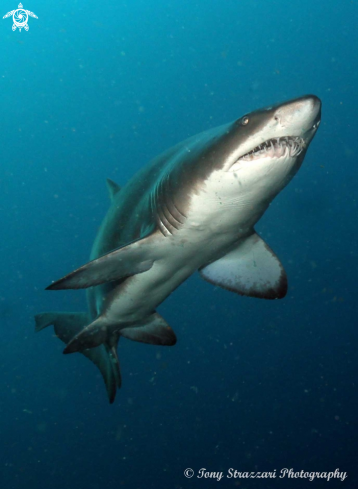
104,356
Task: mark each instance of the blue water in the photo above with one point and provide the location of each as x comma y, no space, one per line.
95,90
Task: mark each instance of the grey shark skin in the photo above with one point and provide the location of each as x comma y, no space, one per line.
193,208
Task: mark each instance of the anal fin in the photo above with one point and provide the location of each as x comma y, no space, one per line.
104,356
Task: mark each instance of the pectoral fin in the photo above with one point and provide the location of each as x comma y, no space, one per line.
68,325
121,263
251,269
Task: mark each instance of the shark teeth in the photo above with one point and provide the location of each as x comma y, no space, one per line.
276,147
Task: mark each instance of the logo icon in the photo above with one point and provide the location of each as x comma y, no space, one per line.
20,17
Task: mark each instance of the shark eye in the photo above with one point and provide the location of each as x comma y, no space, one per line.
245,121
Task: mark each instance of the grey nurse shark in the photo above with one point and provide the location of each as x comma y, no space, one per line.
192,208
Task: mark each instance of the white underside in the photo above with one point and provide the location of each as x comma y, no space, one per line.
220,215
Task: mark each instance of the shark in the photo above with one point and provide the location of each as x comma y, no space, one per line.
193,208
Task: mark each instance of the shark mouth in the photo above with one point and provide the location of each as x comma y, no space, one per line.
276,148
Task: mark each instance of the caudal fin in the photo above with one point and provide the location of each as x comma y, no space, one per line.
69,325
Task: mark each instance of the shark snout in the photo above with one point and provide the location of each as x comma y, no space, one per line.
303,113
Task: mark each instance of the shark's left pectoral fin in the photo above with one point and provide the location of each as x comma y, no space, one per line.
121,263
251,269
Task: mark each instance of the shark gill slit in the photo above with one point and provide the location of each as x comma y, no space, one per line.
170,219
172,208
162,222
167,221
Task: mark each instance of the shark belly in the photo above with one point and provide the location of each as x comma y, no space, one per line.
139,295
204,238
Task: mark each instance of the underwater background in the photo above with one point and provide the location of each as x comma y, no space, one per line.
95,90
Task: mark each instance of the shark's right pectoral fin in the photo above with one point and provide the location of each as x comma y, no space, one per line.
104,356
251,269
121,263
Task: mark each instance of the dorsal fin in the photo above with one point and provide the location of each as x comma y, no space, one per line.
113,188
